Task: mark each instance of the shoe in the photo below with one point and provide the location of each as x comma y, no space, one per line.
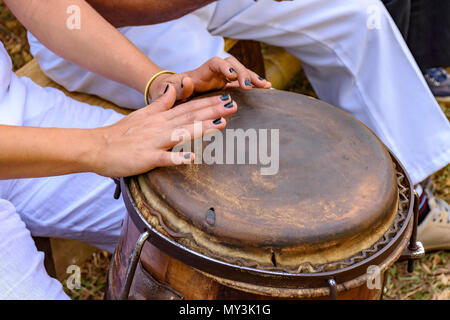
438,80
434,231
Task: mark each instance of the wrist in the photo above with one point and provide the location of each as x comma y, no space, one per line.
91,155
156,84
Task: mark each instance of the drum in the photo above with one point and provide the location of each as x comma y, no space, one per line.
324,218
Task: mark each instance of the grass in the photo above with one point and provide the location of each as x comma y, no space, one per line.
94,272
430,279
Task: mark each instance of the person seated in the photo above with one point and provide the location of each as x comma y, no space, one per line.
58,155
351,50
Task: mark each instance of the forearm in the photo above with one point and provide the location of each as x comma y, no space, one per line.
145,12
27,152
96,45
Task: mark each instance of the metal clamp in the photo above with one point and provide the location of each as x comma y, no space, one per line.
333,289
131,270
415,249
118,190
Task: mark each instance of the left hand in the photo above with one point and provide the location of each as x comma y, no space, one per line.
214,74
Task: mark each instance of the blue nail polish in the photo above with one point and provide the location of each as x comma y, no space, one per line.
167,88
187,156
224,97
232,70
248,83
229,105
218,121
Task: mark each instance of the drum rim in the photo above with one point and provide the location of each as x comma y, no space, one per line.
257,276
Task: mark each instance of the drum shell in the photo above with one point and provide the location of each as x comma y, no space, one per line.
176,280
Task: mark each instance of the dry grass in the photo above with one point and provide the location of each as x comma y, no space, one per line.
94,274
14,37
430,279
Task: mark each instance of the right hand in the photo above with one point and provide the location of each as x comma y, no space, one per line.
140,141
212,75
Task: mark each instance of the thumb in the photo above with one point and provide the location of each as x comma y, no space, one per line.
187,88
165,101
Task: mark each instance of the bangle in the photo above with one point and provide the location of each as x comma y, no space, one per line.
149,83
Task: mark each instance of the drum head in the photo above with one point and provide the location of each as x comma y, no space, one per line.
335,192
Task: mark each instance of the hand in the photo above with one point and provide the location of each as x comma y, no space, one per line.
140,141
214,74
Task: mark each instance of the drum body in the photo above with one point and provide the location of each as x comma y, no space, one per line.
330,223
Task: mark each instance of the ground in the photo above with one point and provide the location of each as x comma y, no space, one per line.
430,279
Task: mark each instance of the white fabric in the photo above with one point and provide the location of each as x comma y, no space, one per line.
77,206
368,72
178,45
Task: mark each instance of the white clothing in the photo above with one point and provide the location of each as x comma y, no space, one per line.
351,50
76,206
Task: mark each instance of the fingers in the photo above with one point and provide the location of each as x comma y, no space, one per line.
191,131
197,104
224,67
213,112
243,74
187,88
258,81
184,86
169,159
164,102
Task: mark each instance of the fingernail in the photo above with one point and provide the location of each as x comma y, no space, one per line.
261,78
224,97
229,105
248,83
217,121
167,88
232,70
187,156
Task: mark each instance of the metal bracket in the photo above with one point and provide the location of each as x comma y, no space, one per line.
417,253
415,249
118,190
131,270
333,289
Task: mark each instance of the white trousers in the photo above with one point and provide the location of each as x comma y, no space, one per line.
351,50
76,206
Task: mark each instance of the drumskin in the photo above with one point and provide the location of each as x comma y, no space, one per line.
335,194
261,257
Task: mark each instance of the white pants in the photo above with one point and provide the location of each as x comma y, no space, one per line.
76,206
351,50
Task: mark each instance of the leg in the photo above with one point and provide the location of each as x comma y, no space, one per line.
353,55
400,10
178,45
22,271
429,35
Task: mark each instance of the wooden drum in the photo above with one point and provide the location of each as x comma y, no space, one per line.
331,221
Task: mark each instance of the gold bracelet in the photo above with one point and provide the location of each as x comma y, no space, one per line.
149,83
